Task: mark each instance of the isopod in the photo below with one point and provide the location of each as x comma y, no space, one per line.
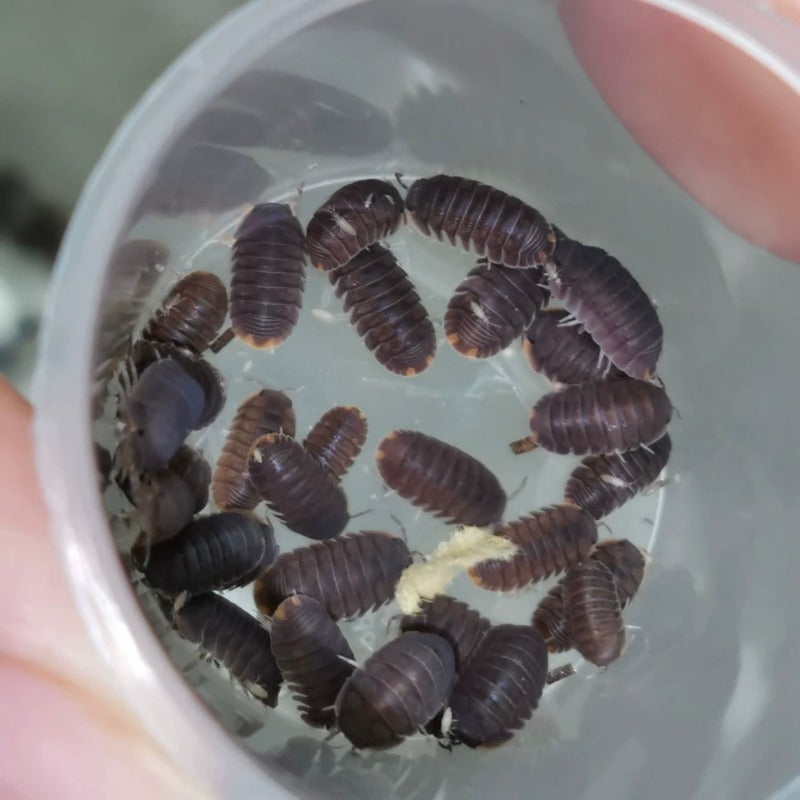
349,575
267,276
500,688
191,314
549,541
397,691
593,612
625,562
491,307
133,271
267,411
219,551
562,352
610,304
440,478
313,656
462,626
143,353
303,494
235,638
163,406
493,223
386,310
602,483
608,416
336,440
167,499
352,218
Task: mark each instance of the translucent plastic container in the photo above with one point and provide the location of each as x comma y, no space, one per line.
702,704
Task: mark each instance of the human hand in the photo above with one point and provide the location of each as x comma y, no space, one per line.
63,732
722,125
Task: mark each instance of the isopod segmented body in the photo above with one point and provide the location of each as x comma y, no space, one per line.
593,612
491,307
191,314
313,656
549,541
608,416
610,304
267,411
385,310
352,218
625,562
349,575
133,271
236,639
397,691
143,353
453,620
216,552
550,622
163,406
480,217
440,478
304,495
564,353
167,499
602,483
267,275
500,688
336,440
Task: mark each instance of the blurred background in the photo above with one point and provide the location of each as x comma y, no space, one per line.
68,75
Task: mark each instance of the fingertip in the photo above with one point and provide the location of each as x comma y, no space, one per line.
721,124
58,742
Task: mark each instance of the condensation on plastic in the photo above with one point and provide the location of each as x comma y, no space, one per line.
701,706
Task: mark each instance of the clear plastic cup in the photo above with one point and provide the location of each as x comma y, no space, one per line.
321,92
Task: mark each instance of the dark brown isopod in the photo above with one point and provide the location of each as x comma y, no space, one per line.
352,218
625,562
191,314
349,575
564,353
219,551
453,620
602,483
385,310
336,440
500,688
608,416
267,411
313,656
303,494
397,691
233,637
610,304
160,410
267,275
548,540
550,622
132,272
440,478
143,353
167,499
493,223
593,612
491,307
